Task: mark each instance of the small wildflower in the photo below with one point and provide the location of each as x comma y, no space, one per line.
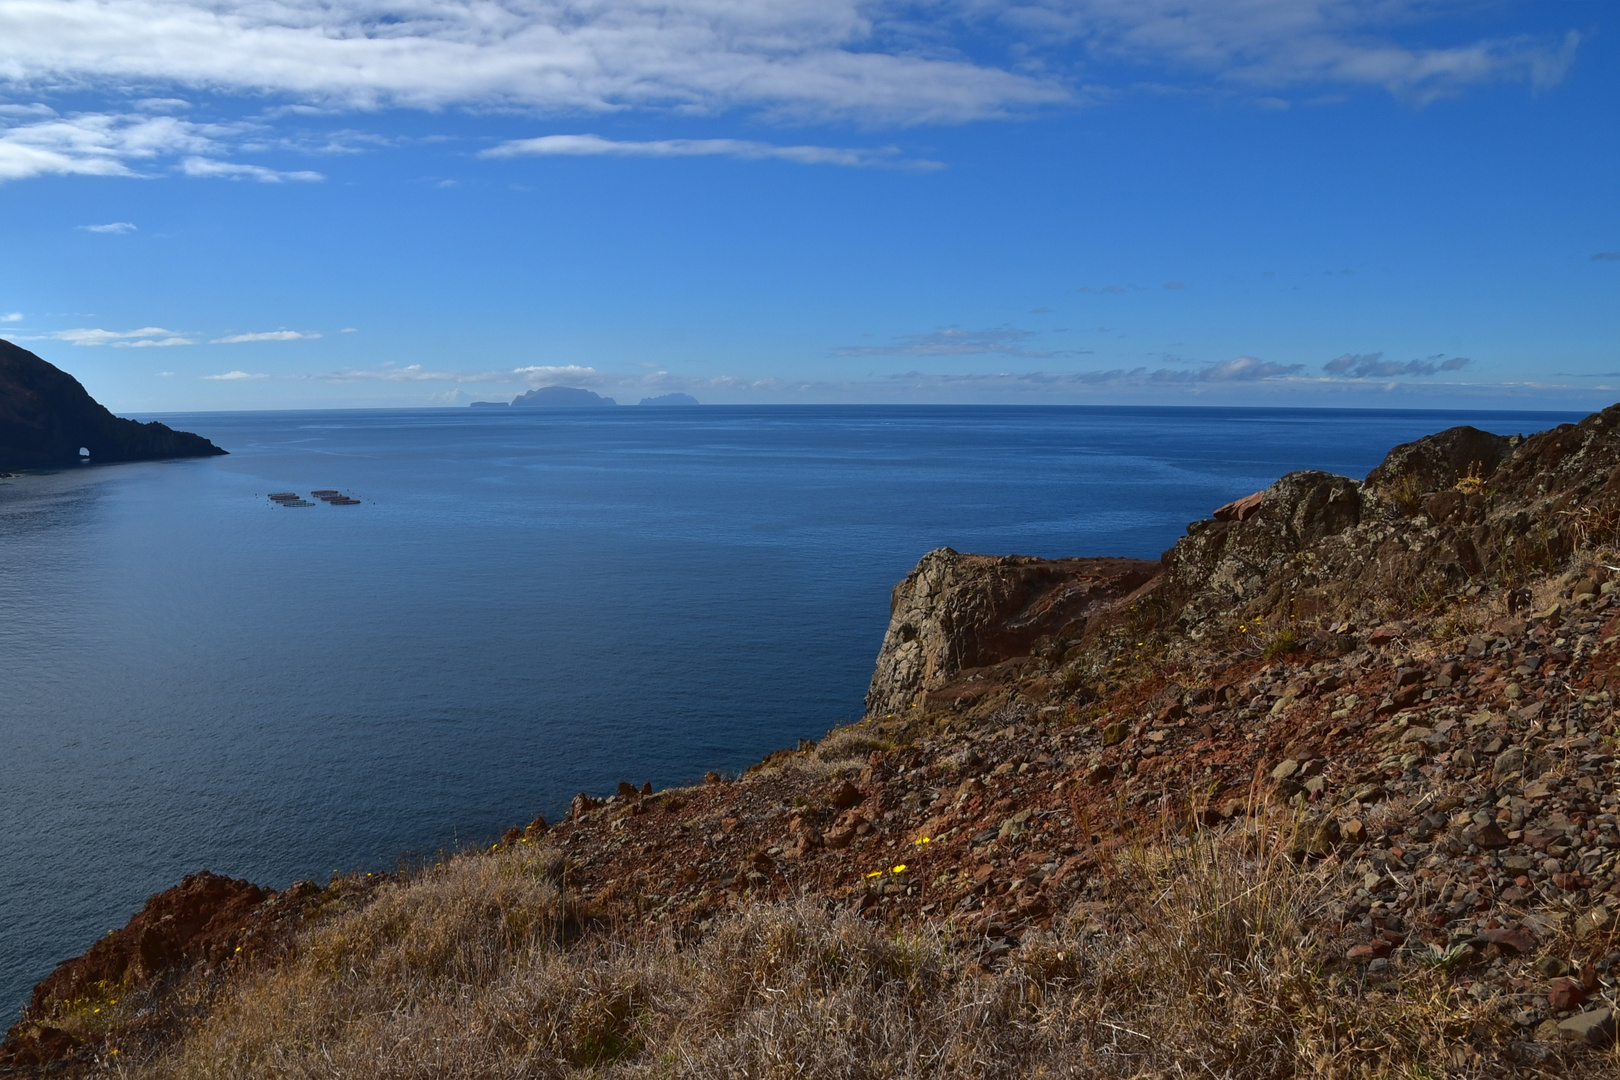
922,840
875,873
900,869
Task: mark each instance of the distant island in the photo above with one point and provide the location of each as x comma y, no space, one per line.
573,397
48,419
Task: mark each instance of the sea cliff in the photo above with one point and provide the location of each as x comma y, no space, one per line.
1329,789
47,418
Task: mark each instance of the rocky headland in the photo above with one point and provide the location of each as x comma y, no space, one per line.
1327,790
47,417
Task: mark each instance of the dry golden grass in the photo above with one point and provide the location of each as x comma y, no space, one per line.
463,971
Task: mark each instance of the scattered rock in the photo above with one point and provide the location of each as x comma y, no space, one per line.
844,796
1594,1028
1565,994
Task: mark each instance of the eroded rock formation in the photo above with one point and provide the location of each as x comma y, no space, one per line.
955,612
47,417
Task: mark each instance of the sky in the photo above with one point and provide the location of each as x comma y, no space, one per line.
223,204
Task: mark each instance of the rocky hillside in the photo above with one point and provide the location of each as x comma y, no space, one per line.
1329,790
46,418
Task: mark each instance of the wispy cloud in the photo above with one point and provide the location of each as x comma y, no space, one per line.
548,373
596,145
266,335
146,337
93,144
1246,369
231,170
870,60
1606,256
15,316
235,376
1272,45
818,58
1374,366
152,343
116,227
408,373
38,142
1239,369
954,341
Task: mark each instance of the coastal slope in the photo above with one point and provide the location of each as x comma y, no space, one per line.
47,417
1330,789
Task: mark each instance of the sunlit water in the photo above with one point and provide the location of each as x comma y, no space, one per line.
525,605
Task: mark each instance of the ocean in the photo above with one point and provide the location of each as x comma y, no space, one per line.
524,604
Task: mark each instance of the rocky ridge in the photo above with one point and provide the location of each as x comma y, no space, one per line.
47,417
1415,674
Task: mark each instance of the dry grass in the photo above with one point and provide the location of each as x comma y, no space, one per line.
463,972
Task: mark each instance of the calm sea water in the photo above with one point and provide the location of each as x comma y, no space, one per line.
526,604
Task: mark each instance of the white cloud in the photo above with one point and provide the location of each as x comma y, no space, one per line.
116,227
234,376
267,335
40,142
152,343
93,144
145,337
348,330
589,145
230,170
409,373
1247,368
165,374
1279,44
822,57
15,316
544,374
872,60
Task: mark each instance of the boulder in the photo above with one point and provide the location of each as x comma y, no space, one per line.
1438,461
1594,1028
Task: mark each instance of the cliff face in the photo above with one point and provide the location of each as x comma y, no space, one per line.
46,417
1312,552
955,613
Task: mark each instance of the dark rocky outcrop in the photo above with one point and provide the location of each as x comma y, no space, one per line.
957,612
1453,510
1440,460
561,397
46,417
199,919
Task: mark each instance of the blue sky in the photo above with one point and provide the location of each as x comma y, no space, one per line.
291,203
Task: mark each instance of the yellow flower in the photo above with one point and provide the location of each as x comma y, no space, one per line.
921,840
875,873
900,869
